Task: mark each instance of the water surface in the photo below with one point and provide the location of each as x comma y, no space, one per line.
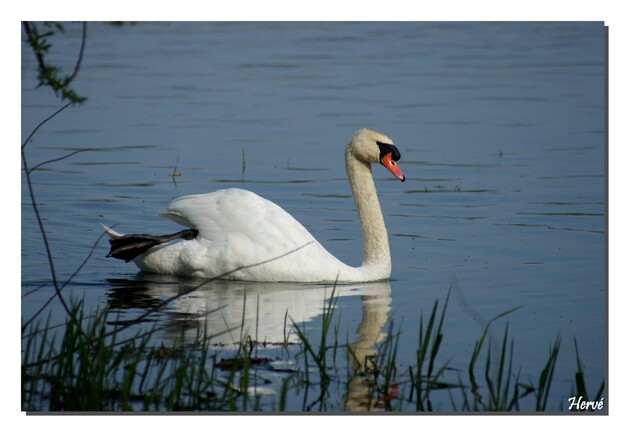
501,130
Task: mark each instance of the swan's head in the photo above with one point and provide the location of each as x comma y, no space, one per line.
374,147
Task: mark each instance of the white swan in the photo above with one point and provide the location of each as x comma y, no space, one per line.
236,234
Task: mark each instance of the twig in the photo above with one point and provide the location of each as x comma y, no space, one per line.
76,271
48,73
179,295
29,184
31,35
41,164
80,57
205,282
42,231
44,122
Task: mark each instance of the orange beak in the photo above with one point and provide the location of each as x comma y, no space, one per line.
391,165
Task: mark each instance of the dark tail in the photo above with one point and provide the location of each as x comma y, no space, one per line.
127,247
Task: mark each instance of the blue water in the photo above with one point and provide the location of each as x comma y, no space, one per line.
501,129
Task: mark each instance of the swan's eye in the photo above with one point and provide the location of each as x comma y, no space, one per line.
386,148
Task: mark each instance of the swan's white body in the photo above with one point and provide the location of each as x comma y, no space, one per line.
245,237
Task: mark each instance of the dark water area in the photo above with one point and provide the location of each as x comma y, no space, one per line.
501,127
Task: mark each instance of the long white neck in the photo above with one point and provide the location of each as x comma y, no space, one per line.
376,257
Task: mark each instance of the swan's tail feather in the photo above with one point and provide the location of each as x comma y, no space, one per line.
109,231
129,246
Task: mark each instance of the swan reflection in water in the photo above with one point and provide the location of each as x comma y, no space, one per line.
228,313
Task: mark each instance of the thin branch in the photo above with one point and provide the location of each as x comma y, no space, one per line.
29,184
76,271
49,74
39,311
85,260
40,223
31,35
171,299
205,282
41,164
33,290
80,57
44,122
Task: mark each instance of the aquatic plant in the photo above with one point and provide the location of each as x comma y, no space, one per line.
91,369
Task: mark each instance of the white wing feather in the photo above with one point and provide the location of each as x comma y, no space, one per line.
243,233
224,214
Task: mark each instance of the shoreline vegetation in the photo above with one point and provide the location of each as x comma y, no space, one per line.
91,369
